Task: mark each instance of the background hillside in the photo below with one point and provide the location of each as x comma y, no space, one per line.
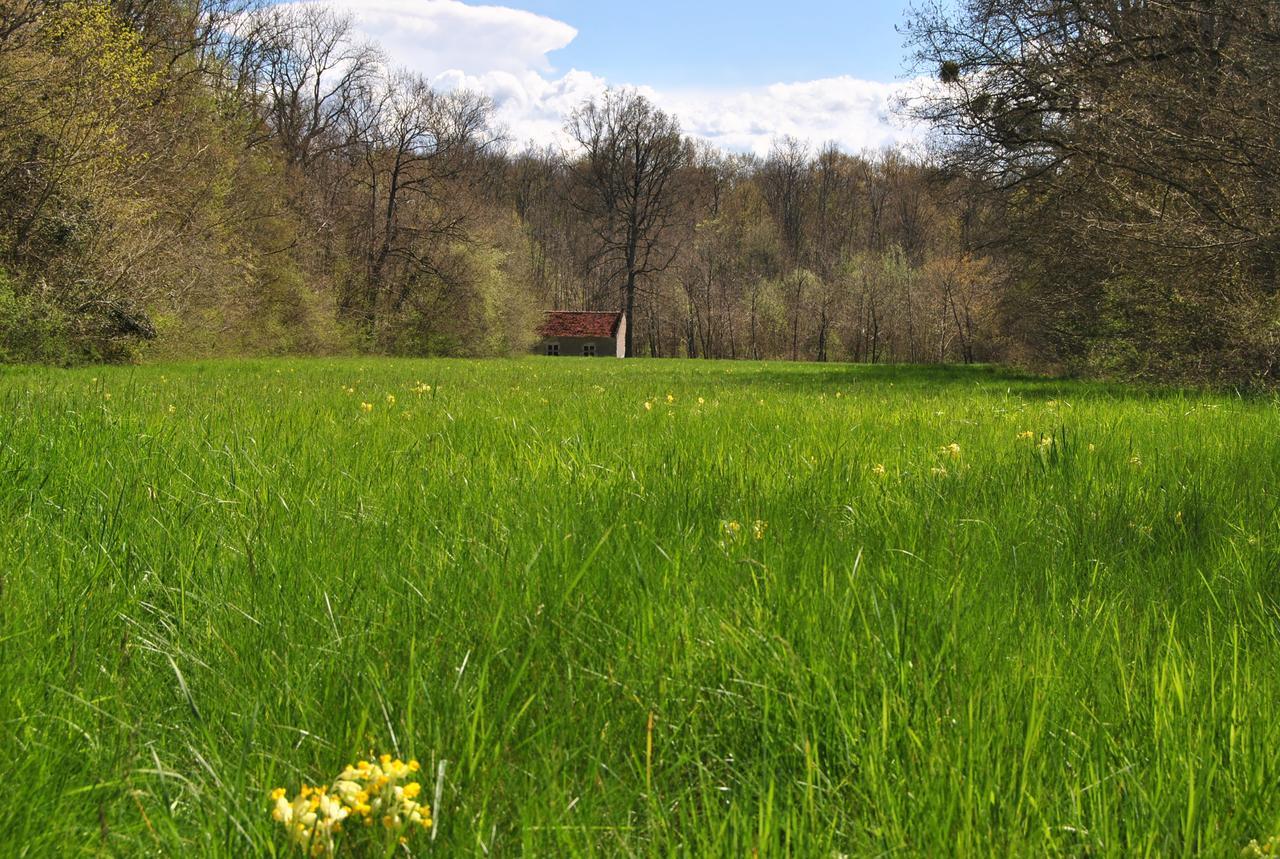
224,178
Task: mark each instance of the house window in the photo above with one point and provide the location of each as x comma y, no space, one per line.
553,348
589,350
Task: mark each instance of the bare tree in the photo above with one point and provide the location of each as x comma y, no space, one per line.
414,142
632,155
314,73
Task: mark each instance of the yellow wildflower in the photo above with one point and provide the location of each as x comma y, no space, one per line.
391,399
1263,851
670,399
758,528
648,406
952,450
878,470
366,790
366,407
1026,434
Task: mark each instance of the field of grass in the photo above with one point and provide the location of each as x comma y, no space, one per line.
640,608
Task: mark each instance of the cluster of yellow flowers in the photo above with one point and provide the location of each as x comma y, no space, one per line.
733,529
1271,848
364,792
421,388
366,407
1046,441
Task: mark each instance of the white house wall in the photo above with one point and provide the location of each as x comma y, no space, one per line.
571,347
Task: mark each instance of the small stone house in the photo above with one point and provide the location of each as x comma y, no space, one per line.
583,333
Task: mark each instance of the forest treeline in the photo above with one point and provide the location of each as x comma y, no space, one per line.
222,177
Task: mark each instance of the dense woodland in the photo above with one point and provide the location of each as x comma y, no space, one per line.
216,177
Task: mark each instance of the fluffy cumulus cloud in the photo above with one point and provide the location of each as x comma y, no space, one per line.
504,52
434,36
854,113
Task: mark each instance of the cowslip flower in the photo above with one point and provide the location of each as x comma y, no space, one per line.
366,407
1271,848
363,792
952,450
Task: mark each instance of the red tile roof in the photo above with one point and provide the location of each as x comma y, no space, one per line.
580,323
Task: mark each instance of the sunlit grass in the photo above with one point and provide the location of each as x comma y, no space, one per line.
668,608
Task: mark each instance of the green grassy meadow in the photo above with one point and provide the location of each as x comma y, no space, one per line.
775,613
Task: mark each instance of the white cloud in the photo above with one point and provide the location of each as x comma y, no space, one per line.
530,107
855,114
504,52
433,36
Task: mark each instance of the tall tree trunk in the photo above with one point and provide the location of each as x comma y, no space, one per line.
631,313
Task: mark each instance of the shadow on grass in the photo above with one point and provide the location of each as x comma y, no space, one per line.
937,377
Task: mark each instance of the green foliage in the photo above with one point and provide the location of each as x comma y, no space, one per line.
30,332
475,307
1057,638
1152,331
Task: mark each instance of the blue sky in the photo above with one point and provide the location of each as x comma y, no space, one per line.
726,43
738,74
